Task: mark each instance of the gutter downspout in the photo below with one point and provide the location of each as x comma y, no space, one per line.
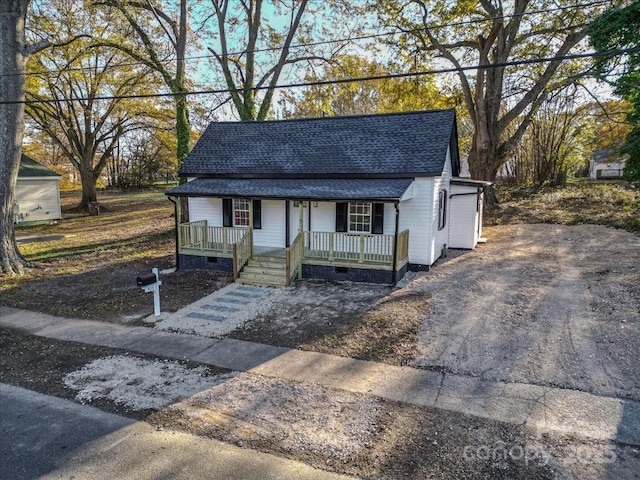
394,274
175,208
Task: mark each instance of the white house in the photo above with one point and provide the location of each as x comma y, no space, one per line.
361,198
606,164
37,197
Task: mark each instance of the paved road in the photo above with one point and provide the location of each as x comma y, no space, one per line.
51,438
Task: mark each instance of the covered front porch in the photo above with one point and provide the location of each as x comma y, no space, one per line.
283,229
339,250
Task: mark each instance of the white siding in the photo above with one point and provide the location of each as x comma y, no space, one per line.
38,199
440,237
323,217
294,219
463,217
416,215
205,208
273,231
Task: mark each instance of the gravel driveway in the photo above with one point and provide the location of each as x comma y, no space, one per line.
544,304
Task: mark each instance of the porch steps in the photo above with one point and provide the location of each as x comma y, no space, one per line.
264,271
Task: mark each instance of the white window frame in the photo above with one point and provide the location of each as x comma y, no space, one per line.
355,217
241,212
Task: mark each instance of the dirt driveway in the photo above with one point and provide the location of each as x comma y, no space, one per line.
544,304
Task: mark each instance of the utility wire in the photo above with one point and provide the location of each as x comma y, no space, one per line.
338,40
610,53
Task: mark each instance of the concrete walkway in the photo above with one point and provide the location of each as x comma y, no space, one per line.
567,411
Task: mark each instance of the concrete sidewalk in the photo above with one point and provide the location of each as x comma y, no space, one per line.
562,410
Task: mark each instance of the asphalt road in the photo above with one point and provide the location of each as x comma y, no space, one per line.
47,437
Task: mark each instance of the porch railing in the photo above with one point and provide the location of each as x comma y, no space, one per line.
242,252
402,248
198,236
293,256
355,248
361,248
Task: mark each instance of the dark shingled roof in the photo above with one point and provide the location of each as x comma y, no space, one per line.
308,188
384,146
30,168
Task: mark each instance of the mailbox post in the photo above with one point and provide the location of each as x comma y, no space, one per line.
150,282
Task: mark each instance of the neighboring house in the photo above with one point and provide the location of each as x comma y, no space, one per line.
606,164
37,196
361,198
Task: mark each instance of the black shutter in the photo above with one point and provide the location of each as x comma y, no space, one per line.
227,212
257,214
378,218
341,216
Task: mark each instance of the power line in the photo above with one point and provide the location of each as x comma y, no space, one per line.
610,53
338,40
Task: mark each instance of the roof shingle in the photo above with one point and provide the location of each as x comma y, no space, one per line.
372,189
388,145
30,168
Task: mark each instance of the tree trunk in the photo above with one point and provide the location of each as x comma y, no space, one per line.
12,69
88,188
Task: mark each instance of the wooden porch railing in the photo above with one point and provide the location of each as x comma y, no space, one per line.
242,252
198,236
402,248
293,256
361,248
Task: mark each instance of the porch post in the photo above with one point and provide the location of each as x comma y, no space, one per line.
394,274
300,216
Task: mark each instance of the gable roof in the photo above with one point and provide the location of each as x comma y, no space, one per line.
398,145
29,168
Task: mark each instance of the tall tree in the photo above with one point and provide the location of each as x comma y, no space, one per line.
245,38
159,40
502,100
618,28
80,98
14,51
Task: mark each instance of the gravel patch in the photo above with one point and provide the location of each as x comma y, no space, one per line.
137,383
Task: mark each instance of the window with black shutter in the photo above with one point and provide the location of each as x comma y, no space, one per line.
341,216
257,214
442,209
227,212
378,219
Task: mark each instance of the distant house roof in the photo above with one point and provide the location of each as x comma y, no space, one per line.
373,189
29,168
607,156
398,145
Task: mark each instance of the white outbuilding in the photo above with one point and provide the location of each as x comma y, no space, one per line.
37,196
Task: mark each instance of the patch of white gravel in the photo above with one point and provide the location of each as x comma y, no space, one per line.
299,416
235,303
139,384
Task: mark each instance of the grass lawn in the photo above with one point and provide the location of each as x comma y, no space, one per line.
89,267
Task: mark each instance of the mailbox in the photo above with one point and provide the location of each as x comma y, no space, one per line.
150,282
146,279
